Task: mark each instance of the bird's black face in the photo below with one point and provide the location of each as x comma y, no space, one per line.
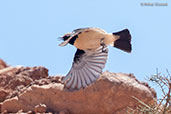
66,36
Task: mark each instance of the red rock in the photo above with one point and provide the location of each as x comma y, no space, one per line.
21,76
0,107
20,111
30,112
34,72
64,112
4,112
112,93
2,64
41,108
3,94
22,88
10,70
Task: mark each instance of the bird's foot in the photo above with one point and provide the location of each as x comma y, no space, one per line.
103,45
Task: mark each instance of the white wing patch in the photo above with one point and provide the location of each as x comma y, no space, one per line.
86,68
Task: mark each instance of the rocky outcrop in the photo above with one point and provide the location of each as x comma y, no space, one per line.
31,90
2,64
16,79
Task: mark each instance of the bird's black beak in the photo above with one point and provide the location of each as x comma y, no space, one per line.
60,38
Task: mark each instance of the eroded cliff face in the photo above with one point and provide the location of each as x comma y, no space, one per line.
32,90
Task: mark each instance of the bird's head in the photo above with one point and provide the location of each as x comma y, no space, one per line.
66,36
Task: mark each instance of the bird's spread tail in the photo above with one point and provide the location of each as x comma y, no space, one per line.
124,40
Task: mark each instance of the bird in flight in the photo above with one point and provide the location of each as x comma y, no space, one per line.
91,55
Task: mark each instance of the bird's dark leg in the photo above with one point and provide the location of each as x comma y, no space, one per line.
103,45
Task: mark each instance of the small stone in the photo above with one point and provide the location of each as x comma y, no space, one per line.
64,112
30,112
41,108
20,112
5,112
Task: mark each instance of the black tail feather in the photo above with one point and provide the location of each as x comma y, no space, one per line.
124,41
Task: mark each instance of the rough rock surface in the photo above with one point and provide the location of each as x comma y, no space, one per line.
3,94
41,108
15,79
2,64
28,87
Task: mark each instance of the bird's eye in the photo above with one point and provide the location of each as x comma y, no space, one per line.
65,37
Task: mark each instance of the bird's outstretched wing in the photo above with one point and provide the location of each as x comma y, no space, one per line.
86,68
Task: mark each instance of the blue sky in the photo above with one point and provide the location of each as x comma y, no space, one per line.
29,31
